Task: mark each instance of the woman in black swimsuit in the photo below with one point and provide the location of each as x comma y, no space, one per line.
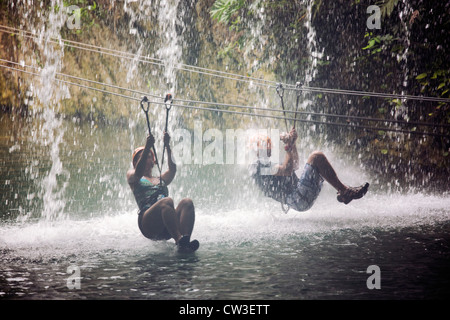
158,217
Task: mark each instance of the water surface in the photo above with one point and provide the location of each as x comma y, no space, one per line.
249,248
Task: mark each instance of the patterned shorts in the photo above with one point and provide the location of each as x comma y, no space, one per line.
308,188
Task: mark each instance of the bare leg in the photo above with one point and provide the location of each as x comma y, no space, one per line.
345,194
161,219
319,161
186,216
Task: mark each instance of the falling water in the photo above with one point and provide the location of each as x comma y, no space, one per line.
48,93
140,13
314,52
402,111
170,50
307,101
57,179
258,39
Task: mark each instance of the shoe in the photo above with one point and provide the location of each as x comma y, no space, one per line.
185,245
194,245
352,194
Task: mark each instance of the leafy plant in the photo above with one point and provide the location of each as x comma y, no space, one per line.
224,10
376,44
387,7
438,80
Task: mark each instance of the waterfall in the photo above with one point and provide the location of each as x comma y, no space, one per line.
55,183
402,111
170,50
49,94
315,53
46,24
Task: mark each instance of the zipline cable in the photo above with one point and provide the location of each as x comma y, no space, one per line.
369,94
222,74
346,117
238,112
144,59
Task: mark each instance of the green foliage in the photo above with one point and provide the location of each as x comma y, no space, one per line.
387,7
224,10
376,44
89,13
438,80
227,51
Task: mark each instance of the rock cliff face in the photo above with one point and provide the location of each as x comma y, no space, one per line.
324,44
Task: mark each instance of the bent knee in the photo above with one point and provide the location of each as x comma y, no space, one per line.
315,157
187,203
167,202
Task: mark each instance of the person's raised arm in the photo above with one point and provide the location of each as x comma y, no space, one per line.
169,175
293,148
291,162
138,172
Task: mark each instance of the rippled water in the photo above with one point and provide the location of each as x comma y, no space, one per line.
249,248
244,254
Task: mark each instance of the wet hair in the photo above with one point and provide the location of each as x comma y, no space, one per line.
136,155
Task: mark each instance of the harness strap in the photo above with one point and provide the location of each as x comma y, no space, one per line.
297,86
144,99
168,107
280,91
